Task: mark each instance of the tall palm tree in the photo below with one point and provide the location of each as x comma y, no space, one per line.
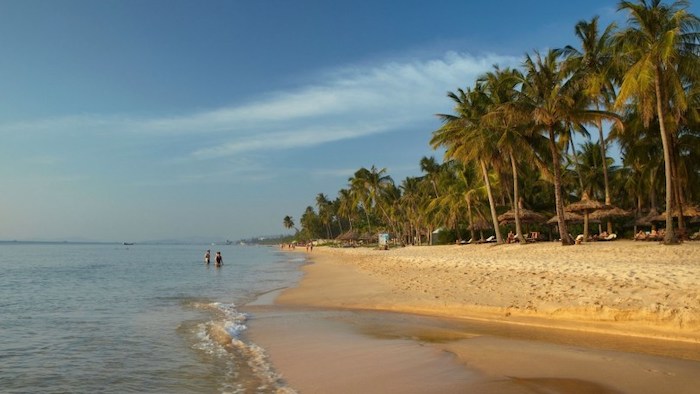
410,200
660,44
555,103
325,213
368,185
346,206
468,138
504,118
594,68
432,168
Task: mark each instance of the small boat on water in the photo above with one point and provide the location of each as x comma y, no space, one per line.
128,243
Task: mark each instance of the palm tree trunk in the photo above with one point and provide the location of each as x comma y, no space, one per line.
577,166
471,218
606,183
516,197
369,225
492,205
563,229
678,193
670,237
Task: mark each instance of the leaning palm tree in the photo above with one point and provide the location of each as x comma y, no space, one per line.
660,45
288,223
468,138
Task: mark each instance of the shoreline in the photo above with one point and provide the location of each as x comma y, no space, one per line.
364,320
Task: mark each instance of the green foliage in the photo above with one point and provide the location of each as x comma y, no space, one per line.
510,138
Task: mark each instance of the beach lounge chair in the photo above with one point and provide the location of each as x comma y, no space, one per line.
534,236
610,237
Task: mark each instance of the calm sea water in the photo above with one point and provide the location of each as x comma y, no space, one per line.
89,318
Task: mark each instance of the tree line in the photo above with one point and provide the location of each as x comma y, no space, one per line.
509,142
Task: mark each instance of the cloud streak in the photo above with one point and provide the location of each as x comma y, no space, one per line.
346,103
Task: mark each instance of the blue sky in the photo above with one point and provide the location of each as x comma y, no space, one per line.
143,120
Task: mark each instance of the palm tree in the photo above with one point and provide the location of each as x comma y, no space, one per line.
368,185
324,212
468,138
503,117
288,223
346,206
594,68
660,44
432,168
555,103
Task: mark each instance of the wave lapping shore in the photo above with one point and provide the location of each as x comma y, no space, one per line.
622,287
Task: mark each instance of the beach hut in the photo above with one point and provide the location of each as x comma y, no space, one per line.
585,206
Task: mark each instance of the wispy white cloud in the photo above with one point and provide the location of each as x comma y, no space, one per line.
346,103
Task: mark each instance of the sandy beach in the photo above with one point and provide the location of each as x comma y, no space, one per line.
617,316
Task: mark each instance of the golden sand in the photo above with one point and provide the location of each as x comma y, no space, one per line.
607,317
623,287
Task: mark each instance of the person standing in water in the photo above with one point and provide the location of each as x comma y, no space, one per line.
207,256
219,259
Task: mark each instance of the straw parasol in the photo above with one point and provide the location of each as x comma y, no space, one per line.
606,213
350,235
586,206
688,212
647,220
568,216
526,216
481,224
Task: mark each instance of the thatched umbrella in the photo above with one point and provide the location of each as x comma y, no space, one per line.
647,219
350,235
568,216
586,206
688,212
608,213
481,224
605,213
526,216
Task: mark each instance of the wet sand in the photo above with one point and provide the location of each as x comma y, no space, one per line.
333,333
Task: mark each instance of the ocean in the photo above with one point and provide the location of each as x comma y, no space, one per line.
112,318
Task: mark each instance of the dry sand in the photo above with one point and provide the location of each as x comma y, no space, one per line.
518,319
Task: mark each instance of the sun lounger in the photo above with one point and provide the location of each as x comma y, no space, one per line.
534,236
608,238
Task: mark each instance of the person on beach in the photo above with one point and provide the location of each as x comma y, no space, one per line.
219,259
207,256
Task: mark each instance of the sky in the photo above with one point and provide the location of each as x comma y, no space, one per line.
165,119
